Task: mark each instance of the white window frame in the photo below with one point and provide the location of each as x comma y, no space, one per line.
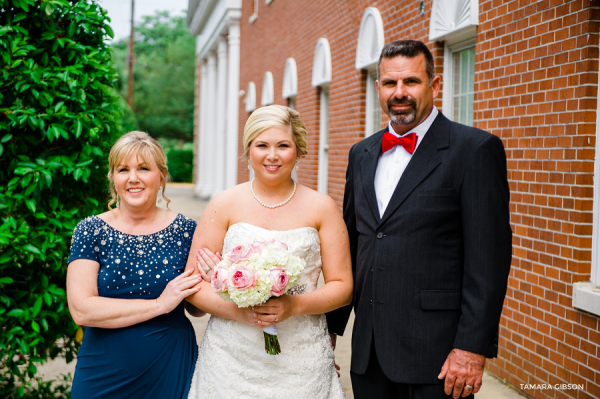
586,295
267,96
448,92
323,174
372,122
370,43
290,82
250,99
321,78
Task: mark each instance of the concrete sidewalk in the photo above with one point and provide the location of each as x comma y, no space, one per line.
183,201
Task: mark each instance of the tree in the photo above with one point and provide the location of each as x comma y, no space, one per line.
58,117
163,95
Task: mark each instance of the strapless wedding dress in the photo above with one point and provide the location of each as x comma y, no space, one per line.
232,362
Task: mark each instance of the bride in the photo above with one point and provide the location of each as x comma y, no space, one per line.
232,361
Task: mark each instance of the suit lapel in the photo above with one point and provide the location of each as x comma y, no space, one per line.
425,159
368,169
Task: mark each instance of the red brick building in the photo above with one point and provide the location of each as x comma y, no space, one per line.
526,71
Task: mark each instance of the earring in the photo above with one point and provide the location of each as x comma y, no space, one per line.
159,195
248,164
117,200
297,163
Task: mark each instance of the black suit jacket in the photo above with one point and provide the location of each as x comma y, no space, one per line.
431,274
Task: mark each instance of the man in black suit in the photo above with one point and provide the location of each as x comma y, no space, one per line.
426,205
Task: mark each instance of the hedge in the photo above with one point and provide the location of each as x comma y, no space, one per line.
58,118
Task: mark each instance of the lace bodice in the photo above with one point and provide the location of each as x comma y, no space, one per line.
303,242
232,362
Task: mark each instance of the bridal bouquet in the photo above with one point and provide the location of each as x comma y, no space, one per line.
251,274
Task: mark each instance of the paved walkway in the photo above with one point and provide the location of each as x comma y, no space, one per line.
183,201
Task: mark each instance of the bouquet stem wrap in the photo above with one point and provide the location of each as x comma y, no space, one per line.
271,341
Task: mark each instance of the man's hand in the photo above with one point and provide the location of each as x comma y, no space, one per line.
463,372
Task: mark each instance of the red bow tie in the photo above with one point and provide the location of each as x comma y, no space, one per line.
409,142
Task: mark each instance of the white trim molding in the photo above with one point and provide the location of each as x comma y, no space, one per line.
250,99
453,20
586,295
267,95
370,39
290,79
321,73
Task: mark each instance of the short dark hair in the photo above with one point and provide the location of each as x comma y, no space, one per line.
408,49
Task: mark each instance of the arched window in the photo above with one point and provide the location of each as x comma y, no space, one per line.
455,22
368,49
321,77
266,97
321,74
290,82
250,97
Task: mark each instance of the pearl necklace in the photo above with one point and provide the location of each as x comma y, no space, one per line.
272,206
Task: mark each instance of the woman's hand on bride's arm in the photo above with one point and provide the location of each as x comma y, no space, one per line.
206,261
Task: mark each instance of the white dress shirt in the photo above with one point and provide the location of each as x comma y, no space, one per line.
392,163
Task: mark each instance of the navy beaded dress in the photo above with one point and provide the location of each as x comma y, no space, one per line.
152,359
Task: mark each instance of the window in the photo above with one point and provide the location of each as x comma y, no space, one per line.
370,44
290,83
266,97
250,99
463,71
455,23
321,78
586,294
324,141
373,111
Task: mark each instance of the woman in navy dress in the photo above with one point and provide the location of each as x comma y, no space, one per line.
126,283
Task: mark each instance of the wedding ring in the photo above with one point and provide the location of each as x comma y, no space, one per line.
207,270
469,387
276,319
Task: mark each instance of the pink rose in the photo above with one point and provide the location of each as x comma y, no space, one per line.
257,246
279,244
242,278
241,252
280,279
219,279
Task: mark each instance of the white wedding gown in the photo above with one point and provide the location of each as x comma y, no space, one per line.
232,362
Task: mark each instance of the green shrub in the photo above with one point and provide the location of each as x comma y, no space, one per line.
181,165
58,117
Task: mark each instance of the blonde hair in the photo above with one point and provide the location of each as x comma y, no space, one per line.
275,116
143,146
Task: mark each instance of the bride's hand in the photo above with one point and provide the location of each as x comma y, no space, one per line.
274,311
206,262
246,315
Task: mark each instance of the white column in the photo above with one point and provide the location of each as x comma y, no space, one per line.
221,114
233,89
201,150
211,109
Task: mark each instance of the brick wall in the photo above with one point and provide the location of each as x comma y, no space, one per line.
536,81
536,84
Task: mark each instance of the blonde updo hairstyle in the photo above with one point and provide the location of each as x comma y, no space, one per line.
275,116
144,147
